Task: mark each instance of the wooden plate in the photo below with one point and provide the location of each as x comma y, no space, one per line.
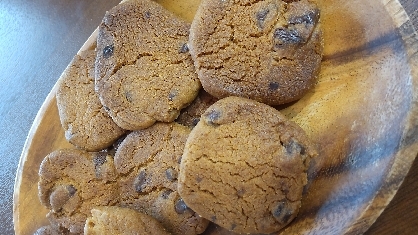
362,114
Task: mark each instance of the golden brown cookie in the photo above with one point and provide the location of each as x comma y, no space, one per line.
190,115
148,162
86,123
114,220
72,182
144,72
268,50
244,166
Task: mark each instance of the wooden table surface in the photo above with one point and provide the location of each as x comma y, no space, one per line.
38,38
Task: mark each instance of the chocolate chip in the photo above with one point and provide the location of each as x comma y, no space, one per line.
171,174
108,51
166,193
180,206
285,36
184,48
267,15
294,147
71,190
310,17
212,116
261,17
287,217
140,182
172,95
277,211
240,192
282,212
128,96
60,196
99,159
273,86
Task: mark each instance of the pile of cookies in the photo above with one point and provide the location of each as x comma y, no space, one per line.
174,123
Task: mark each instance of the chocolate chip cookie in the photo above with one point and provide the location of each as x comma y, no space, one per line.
86,123
269,50
72,182
190,115
148,164
121,221
144,72
244,166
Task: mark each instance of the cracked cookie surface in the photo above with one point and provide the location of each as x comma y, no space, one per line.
144,72
86,123
121,221
244,166
72,182
148,164
269,50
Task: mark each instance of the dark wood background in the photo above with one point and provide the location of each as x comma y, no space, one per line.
38,38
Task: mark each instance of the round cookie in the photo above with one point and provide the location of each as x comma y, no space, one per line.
86,123
144,72
72,182
244,166
269,50
121,221
148,162
190,115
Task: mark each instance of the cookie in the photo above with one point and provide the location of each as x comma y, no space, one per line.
148,162
121,221
72,182
86,123
190,115
244,166
50,230
144,72
269,50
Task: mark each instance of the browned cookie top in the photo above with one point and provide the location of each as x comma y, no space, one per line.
244,166
144,72
72,182
148,162
120,221
86,123
268,50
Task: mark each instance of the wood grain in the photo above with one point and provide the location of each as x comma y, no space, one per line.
362,114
